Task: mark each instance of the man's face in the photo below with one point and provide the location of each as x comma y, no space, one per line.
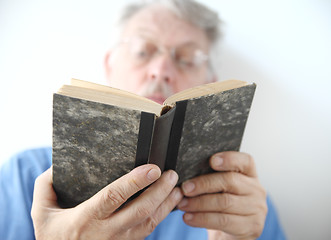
146,63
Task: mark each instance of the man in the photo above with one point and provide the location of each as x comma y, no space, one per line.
163,49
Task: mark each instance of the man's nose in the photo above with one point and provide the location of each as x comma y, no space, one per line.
162,68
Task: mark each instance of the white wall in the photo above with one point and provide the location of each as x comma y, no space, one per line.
283,46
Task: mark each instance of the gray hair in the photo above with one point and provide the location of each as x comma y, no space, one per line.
190,11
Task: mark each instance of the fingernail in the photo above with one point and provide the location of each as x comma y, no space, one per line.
177,195
188,187
217,161
173,177
183,203
153,174
188,216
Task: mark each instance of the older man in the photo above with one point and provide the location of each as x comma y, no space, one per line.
163,48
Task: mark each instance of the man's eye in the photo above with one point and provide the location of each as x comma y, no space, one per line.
141,54
144,52
184,62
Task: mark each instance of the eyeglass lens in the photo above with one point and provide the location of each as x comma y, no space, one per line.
184,57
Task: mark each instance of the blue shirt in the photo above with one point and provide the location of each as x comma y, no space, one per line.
17,178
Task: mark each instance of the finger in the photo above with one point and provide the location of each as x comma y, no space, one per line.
106,201
146,204
229,182
245,227
168,204
44,194
234,161
222,203
149,225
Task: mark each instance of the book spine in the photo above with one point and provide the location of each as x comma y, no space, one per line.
175,135
161,138
145,135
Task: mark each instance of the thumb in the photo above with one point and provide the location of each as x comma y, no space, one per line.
111,197
43,194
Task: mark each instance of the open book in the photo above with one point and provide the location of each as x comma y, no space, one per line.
101,133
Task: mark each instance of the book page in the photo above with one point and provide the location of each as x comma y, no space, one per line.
205,89
115,98
108,95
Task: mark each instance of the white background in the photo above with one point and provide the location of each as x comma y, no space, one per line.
283,46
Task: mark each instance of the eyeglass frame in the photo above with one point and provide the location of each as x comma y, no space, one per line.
160,49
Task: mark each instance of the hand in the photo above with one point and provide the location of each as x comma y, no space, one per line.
97,217
231,200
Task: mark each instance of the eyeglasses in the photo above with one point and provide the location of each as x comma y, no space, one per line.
185,57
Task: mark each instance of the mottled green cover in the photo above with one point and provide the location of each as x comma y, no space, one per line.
213,123
93,144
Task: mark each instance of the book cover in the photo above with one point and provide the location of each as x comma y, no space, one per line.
95,143
213,123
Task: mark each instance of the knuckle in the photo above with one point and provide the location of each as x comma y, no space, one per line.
225,201
263,192
208,184
166,186
151,225
257,228
144,211
262,203
223,221
204,183
263,208
232,182
221,182
197,203
135,185
250,161
114,196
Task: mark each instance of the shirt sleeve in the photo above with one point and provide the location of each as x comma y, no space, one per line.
272,226
17,176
